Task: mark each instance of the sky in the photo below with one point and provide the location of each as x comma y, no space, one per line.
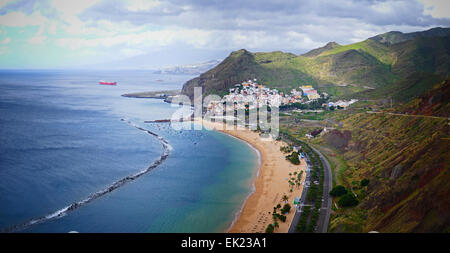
148,34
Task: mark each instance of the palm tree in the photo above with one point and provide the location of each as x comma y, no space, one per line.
285,198
275,224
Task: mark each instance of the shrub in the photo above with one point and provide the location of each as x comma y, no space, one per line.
286,208
348,200
364,182
338,190
286,149
270,228
293,158
282,218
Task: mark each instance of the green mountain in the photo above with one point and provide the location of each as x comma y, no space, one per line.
395,37
317,51
403,90
401,154
380,63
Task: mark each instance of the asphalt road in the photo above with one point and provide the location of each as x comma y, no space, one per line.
324,216
298,212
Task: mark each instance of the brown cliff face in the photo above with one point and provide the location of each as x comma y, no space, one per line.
431,103
406,158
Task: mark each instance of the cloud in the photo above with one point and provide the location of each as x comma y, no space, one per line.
235,14
437,8
19,19
142,5
148,39
6,40
268,24
4,50
37,40
129,28
5,2
130,52
72,8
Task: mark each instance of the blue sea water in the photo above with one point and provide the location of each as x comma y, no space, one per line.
62,138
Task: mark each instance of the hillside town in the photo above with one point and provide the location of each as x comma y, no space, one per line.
251,95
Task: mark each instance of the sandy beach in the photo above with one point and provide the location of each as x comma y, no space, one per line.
270,185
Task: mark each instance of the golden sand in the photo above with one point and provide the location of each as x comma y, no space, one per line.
271,183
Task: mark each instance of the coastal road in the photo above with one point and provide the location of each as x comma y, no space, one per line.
298,213
410,115
324,216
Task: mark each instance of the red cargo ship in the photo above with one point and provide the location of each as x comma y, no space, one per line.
107,83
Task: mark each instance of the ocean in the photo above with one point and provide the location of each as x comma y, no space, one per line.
64,138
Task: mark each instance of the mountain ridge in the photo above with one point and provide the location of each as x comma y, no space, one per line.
395,37
335,69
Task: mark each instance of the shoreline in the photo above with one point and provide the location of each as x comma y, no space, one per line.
269,184
258,171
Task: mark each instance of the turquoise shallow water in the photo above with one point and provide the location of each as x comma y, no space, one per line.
62,139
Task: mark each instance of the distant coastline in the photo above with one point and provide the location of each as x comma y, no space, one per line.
166,95
153,94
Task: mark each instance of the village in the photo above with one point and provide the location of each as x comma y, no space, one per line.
252,95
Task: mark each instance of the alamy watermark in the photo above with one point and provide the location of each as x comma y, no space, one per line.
212,110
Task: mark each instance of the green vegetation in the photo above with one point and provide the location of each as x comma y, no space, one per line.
365,182
280,217
276,216
301,226
286,208
293,158
286,149
421,105
404,90
339,70
377,50
270,228
315,104
394,164
309,217
338,191
312,115
348,200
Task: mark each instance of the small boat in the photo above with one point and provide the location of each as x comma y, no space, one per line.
107,83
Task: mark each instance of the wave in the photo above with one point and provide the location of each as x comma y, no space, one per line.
62,212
